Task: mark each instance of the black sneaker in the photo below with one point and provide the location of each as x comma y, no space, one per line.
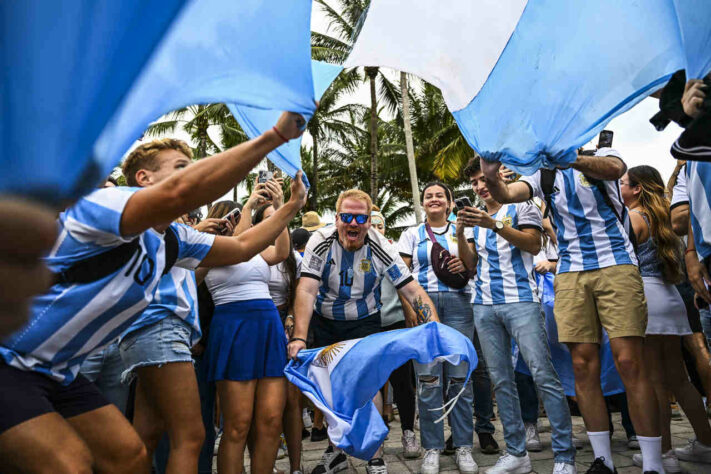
331,461
376,466
488,444
449,446
318,434
598,467
305,433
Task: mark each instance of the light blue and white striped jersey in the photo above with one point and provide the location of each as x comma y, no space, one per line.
350,281
504,273
71,321
415,244
176,295
679,193
590,236
698,188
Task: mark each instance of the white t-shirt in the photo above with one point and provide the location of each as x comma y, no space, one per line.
278,283
245,281
416,244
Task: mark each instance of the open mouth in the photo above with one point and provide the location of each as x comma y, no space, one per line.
352,234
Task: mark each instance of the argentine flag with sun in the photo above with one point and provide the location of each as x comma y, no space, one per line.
343,378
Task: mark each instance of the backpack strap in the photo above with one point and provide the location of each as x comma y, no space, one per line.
98,266
430,233
600,185
171,249
547,186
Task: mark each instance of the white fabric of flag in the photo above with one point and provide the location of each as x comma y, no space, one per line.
531,81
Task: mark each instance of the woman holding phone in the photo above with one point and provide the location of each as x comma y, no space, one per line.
246,351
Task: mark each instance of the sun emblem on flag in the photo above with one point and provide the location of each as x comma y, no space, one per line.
507,221
327,354
365,265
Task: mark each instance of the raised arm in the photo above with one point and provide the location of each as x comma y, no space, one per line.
203,181
304,300
501,190
467,254
232,250
600,167
680,219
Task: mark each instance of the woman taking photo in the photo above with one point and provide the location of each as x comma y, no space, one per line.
246,351
452,304
660,263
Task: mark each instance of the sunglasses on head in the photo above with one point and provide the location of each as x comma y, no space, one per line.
347,217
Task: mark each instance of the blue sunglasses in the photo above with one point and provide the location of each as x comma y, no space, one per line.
347,217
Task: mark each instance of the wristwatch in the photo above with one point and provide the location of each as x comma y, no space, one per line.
498,226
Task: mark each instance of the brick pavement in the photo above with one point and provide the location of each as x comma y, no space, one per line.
542,461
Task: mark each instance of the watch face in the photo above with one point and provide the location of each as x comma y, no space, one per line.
499,225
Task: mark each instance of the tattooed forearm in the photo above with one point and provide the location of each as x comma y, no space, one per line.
422,310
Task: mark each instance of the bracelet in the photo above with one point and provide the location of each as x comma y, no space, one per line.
689,250
283,138
297,339
289,316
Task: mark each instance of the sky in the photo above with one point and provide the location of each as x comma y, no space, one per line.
634,137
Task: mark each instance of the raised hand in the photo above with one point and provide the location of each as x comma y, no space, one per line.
290,125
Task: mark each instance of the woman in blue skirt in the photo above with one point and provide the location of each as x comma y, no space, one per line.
246,351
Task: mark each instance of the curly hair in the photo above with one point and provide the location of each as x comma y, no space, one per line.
472,167
144,156
656,207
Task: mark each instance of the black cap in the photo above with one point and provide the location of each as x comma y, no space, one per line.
299,237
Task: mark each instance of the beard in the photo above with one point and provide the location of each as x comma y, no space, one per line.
352,245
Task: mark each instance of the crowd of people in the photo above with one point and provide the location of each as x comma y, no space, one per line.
161,329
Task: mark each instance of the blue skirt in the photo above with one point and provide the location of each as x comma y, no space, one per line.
246,342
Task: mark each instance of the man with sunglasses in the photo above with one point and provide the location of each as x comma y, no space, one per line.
340,285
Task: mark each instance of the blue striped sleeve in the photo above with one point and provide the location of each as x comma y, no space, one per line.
193,246
96,218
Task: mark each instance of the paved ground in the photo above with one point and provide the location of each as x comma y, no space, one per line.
542,461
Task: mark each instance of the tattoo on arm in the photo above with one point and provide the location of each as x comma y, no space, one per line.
422,310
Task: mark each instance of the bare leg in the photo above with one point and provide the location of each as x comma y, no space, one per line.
169,393
688,397
628,355
114,444
654,360
43,444
146,421
586,366
318,419
237,403
293,426
696,345
269,406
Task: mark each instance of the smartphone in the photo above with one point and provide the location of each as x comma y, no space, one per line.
605,139
462,202
234,215
264,176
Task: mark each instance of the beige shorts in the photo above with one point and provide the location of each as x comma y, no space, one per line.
610,298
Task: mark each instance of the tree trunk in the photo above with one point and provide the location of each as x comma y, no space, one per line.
313,179
410,147
372,73
202,125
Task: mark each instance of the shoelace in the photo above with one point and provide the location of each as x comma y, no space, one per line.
378,469
504,459
430,453
559,467
410,441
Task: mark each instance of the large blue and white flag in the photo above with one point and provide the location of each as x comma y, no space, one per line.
610,380
255,121
343,378
66,67
530,81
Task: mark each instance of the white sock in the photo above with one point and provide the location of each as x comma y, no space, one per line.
600,442
651,453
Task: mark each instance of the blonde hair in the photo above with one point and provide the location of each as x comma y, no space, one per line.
356,194
144,157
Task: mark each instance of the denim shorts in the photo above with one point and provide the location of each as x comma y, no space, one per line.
160,343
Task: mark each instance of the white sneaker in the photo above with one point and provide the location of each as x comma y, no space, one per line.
670,463
564,468
510,464
465,461
533,441
430,463
307,419
410,446
694,452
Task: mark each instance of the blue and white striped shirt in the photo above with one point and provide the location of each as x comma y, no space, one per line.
176,295
71,321
590,236
698,188
504,273
415,244
350,281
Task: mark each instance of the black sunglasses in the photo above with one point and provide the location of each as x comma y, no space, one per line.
347,217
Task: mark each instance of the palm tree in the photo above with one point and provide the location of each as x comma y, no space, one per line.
346,22
410,147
